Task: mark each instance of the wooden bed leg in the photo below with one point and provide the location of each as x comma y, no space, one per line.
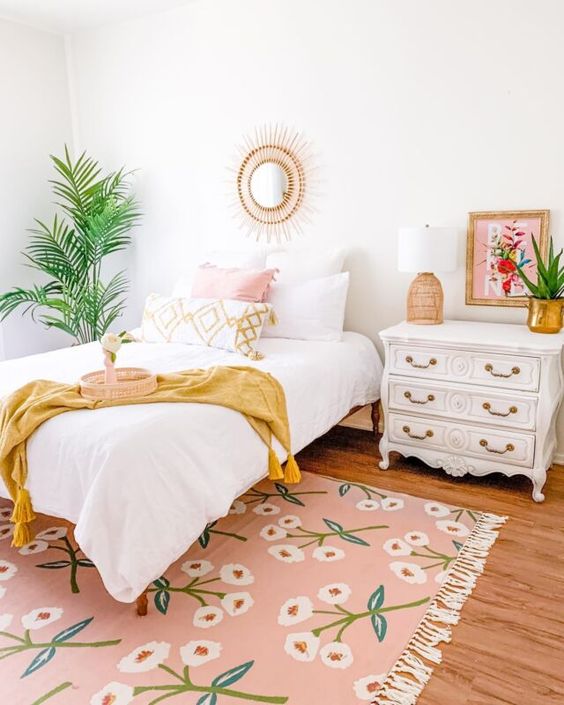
142,603
375,414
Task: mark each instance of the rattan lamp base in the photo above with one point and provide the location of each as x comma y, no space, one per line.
425,300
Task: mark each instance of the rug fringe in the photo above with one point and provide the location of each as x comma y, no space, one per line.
409,675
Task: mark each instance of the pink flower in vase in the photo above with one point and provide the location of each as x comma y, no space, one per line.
111,343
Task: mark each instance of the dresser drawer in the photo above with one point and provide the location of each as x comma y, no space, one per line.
503,446
502,371
468,403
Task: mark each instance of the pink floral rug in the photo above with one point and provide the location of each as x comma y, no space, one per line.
303,590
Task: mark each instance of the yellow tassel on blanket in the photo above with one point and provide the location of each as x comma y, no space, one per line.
274,468
23,511
292,472
22,516
22,535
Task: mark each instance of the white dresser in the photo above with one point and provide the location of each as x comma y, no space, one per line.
472,398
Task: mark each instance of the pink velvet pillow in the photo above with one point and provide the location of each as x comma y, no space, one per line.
211,282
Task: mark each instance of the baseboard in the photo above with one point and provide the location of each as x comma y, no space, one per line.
559,458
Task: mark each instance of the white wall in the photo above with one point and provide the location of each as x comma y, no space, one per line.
419,111
34,122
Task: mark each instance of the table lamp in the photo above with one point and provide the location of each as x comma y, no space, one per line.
426,250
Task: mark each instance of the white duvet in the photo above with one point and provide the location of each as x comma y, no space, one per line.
142,482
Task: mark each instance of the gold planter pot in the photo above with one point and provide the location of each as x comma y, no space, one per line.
545,315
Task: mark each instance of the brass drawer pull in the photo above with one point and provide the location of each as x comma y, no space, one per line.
489,368
488,407
409,360
509,448
428,434
430,397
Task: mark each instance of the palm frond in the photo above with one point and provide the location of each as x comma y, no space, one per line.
102,211
61,324
78,184
107,231
112,301
57,251
31,299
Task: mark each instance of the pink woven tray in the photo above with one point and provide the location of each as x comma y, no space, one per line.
131,382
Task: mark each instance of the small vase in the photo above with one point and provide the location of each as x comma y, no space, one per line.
111,376
545,315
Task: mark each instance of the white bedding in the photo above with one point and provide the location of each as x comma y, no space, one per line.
141,482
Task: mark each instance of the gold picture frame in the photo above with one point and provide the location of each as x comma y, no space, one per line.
491,280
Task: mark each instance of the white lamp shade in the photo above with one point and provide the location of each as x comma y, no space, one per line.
427,249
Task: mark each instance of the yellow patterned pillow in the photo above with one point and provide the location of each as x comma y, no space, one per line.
219,323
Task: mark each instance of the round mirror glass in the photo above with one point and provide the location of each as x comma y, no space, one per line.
268,185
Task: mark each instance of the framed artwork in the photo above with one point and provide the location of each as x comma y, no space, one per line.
498,241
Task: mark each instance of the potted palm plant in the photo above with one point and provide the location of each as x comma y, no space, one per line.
545,302
98,213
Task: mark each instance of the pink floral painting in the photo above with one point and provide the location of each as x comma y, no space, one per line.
498,245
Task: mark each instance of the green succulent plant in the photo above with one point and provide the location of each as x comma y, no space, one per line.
98,213
550,275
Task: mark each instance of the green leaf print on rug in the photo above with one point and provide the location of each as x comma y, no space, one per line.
255,495
56,539
206,591
304,646
220,689
37,619
310,537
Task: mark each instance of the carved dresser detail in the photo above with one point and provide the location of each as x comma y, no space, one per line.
472,398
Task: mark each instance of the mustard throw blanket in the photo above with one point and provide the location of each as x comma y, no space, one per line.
255,394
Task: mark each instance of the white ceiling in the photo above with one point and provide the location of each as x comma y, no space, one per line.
74,15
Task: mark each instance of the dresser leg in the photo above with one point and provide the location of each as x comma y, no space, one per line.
384,464
539,479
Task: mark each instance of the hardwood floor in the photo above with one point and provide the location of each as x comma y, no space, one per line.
508,648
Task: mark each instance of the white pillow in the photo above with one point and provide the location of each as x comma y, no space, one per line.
300,265
313,310
242,259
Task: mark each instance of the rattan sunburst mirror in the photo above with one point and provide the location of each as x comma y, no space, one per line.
273,183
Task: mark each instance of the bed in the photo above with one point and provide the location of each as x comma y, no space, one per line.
141,483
